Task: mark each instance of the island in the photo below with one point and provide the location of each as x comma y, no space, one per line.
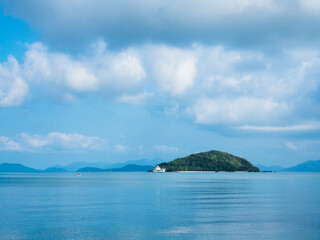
210,161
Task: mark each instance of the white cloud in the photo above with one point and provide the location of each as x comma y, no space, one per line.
222,111
126,68
37,66
231,73
34,140
292,128
173,69
136,99
13,89
61,141
88,73
80,79
212,84
166,149
249,88
6,144
58,69
97,71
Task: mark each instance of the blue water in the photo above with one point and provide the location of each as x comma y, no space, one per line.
160,206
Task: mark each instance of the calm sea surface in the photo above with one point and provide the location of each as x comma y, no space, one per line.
160,206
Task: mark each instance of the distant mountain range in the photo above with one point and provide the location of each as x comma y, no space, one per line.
15,167
133,166
54,169
78,165
127,168
309,166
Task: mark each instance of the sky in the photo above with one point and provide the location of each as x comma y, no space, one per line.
111,81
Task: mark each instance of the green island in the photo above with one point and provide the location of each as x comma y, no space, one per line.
210,161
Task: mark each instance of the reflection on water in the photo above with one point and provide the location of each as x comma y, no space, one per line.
160,206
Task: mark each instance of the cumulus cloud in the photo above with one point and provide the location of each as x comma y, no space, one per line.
212,85
7,144
90,72
136,99
220,111
173,69
97,71
56,141
13,89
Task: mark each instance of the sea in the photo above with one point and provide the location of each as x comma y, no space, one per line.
152,206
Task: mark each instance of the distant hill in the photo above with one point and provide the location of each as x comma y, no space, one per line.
274,168
91,169
133,168
15,167
54,170
309,166
210,161
72,167
141,162
105,165
127,168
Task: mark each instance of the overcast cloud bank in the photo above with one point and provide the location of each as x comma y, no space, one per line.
266,24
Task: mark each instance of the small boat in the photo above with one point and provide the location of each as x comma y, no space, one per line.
78,174
158,169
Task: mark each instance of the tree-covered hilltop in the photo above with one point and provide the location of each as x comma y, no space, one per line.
210,161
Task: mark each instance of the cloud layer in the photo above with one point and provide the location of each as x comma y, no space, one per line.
54,141
247,90
235,23
250,65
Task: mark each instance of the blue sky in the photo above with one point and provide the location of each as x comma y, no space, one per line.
110,81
